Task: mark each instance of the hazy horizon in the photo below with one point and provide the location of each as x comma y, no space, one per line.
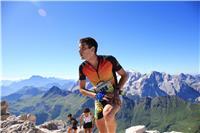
24,78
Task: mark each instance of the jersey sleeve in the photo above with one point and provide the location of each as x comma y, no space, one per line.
81,74
115,63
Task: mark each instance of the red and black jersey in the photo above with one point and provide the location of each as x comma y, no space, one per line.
106,70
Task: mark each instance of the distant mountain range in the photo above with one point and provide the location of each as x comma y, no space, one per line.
139,85
156,84
42,83
23,93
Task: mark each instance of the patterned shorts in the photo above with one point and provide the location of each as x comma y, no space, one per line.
99,109
99,106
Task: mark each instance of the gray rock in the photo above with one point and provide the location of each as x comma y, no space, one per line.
4,110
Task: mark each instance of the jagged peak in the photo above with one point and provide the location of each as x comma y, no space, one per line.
182,76
54,88
155,73
53,91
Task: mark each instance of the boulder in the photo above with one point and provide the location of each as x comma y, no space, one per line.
4,110
4,107
27,117
54,125
136,129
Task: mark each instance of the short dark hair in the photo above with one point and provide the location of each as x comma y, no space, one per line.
91,42
86,110
69,115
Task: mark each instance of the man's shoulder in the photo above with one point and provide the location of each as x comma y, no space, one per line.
82,64
73,119
113,60
106,57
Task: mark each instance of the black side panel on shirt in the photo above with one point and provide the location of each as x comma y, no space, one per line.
81,74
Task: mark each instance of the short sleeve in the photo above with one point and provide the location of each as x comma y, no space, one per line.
115,63
81,74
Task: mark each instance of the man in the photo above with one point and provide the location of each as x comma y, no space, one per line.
87,120
72,124
101,71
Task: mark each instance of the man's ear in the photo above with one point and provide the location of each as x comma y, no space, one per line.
93,49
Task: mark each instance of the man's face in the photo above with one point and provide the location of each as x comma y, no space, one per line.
68,117
86,114
85,52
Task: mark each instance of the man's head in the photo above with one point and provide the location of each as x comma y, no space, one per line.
88,46
86,111
90,42
69,116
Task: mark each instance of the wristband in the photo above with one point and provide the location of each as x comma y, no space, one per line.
99,96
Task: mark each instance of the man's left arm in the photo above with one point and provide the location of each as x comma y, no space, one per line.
120,85
119,69
123,78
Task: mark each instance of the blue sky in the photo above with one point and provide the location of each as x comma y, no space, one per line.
41,38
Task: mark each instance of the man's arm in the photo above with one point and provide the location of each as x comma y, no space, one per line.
123,78
84,91
93,119
118,68
81,120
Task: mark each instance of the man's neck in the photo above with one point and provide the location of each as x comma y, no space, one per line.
93,61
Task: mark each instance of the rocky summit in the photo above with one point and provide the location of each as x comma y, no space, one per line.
25,123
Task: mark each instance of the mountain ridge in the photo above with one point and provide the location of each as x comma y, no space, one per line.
162,84
36,81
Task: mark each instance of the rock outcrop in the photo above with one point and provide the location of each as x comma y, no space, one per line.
16,124
4,110
27,117
25,123
54,125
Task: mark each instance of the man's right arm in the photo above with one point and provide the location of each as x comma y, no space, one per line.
84,91
82,83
